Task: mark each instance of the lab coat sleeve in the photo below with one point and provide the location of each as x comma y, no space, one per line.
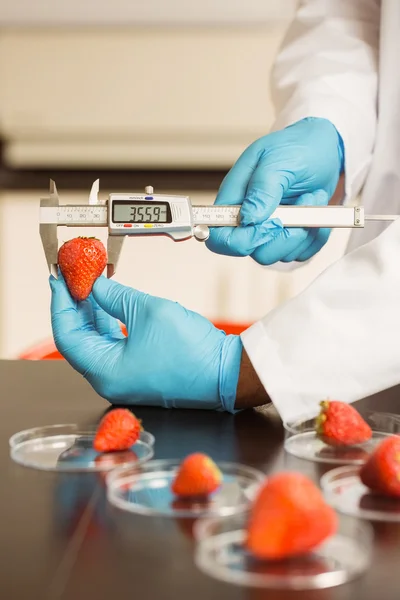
327,67
339,338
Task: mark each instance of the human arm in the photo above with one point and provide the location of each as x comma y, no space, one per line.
250,392
172,357
326,73
339,337
327,67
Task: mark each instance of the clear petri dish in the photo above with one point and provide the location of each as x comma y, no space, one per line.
383,421
47,430
69,447
146,489
344,491
302,441
221,554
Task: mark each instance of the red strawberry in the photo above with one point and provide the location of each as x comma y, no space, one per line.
339,424
81,261
289,518
118,430
198,475
381,472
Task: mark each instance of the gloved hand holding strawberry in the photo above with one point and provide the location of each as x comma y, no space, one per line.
172,357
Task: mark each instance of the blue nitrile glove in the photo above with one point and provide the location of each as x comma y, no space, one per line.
300,165
173,357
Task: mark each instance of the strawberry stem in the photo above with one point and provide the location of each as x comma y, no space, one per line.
320,420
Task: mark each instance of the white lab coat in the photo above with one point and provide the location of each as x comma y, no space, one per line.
341,337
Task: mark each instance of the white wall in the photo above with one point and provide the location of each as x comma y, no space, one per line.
135,97
41,12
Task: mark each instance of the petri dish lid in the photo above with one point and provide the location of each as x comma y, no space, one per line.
302,441
344,490
69,447
146,489
221,554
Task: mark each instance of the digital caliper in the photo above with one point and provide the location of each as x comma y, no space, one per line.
150,214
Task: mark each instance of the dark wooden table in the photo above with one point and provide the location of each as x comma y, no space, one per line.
61,540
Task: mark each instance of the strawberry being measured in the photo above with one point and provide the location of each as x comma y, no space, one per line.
289,518
197,475
81,260
339,424
118,430
381,472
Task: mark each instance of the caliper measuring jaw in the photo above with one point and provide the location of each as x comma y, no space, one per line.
48,232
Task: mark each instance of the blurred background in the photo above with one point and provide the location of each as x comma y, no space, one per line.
165,93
